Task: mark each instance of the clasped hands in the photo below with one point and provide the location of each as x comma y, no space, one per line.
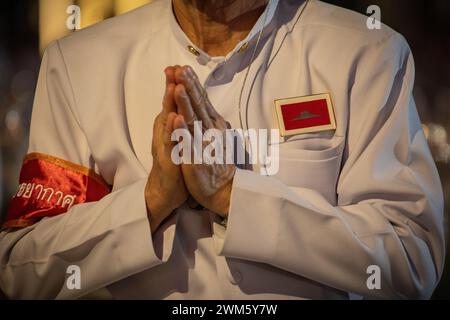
169,185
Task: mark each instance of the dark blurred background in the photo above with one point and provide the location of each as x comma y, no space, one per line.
26,26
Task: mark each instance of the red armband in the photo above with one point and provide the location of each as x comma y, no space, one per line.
49,186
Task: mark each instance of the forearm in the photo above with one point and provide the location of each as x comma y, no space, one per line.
299,231
109,240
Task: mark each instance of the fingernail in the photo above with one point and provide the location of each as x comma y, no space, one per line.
190,71
185,74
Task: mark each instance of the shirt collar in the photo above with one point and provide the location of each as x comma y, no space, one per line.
242,46
261,24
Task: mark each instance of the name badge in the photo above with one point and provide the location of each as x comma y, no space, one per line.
305,114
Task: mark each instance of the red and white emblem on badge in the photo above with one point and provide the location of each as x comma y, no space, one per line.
305,114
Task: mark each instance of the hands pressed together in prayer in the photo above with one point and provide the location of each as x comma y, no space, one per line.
169,185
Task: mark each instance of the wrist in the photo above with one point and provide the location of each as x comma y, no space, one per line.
222,200
157,209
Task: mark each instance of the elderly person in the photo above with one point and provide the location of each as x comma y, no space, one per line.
355,205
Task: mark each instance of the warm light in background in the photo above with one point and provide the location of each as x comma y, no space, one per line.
53,15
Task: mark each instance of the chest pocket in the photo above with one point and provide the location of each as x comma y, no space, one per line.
312,162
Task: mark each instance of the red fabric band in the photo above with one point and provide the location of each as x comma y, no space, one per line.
49,186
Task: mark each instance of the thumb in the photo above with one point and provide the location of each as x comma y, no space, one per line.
179,123
168,129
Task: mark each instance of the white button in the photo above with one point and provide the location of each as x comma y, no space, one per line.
235,277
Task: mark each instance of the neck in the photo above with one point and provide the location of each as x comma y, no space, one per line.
217,26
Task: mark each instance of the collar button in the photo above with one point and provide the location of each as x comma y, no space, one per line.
243,47
194,51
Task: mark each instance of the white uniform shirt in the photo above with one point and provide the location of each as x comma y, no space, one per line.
365,194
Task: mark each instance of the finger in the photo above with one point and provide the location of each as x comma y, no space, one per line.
176,73
170,75
184,106
202,94
157,131
184,75
168,129
179,122
197,97
169,99
199,93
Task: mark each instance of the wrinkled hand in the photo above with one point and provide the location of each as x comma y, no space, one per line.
209,184
165,190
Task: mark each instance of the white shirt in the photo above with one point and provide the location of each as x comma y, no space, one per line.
365,194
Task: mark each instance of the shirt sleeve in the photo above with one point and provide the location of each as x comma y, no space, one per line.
108,239
389,210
